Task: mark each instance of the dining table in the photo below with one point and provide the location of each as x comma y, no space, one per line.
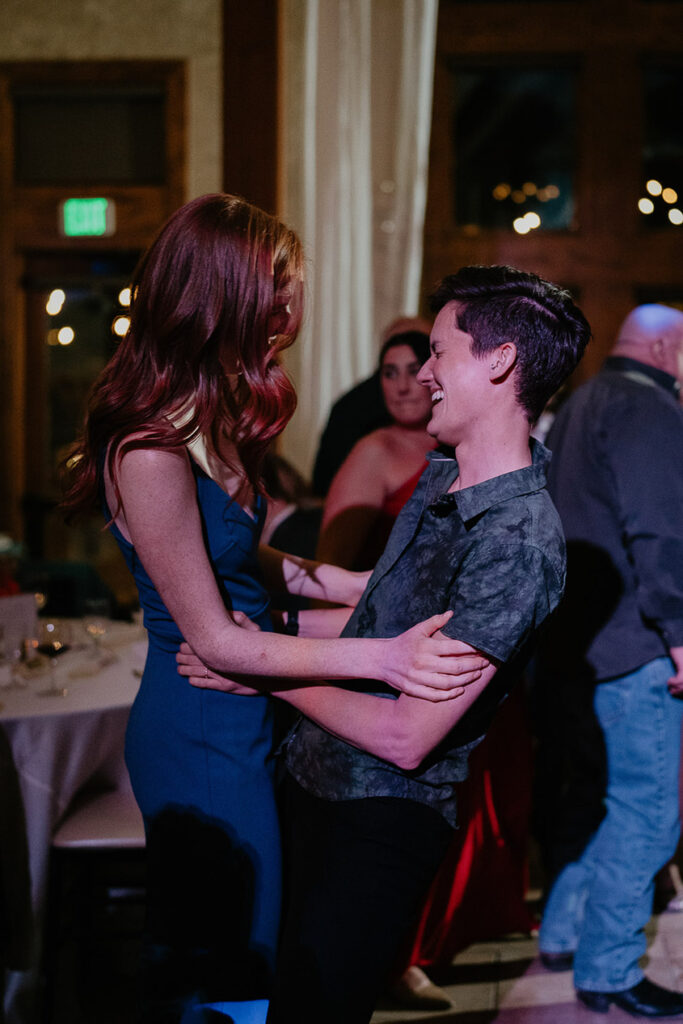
65,719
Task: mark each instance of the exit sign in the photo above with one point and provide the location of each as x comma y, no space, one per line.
87,217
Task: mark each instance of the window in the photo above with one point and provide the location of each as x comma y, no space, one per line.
514,146
661,203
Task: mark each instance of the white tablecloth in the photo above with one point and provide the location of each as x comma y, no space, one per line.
59,744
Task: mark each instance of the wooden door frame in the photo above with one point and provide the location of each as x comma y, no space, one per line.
29,223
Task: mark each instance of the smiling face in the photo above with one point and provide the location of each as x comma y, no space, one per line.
458,382
407,402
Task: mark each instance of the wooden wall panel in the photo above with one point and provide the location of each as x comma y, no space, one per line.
250,100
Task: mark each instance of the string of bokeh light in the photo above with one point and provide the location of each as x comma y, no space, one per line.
121,322
58,335
526,192
669,196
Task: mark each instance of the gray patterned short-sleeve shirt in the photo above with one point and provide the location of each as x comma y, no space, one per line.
494,554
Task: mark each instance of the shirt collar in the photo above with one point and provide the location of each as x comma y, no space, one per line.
473,501
623,364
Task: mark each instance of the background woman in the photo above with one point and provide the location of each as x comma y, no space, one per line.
381,471
176,429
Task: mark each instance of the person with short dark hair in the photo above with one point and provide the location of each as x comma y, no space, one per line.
371,803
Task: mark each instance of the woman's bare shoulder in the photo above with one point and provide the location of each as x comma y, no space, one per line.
376,442
139,449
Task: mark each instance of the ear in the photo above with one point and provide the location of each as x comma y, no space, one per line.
502,361
658,351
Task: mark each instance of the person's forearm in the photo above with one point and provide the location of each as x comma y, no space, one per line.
247,653
314,580
401,731
323,622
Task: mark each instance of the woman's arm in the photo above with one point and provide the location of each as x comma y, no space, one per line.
315,580
402,731
322,622
161,516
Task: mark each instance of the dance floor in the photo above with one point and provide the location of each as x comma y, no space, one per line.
500,981
503,981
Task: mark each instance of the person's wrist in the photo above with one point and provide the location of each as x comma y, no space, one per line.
357,583
290,626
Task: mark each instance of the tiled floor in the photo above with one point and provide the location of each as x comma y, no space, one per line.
503,981
500,981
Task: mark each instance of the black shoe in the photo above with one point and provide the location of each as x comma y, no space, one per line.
643,1000
557,961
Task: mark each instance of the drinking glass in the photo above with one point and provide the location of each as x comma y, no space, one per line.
54,639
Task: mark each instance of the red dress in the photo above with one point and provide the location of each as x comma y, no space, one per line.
478,893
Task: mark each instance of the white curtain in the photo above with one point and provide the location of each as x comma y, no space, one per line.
356,116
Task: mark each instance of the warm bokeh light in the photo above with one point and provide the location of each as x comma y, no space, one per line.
55,302
120,326
552,191
521,225
669,195
528,188
676,215
654,187
65,335
518,196
501,191
645,205
124,297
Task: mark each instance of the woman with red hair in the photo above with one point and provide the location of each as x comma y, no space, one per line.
177,426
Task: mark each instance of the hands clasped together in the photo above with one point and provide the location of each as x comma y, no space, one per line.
421,662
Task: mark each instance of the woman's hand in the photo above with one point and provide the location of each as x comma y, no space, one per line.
421,664
201,676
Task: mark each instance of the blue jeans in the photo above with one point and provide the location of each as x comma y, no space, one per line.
600,903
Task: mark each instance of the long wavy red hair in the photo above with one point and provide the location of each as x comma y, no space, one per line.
219,291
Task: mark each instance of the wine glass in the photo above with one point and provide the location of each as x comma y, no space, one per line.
95,622
54,639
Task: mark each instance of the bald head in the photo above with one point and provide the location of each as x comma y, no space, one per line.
653,334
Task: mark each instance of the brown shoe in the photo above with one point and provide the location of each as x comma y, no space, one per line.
415,990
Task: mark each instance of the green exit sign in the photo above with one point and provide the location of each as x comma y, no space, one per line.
87,217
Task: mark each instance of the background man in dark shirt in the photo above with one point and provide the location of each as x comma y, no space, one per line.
612,664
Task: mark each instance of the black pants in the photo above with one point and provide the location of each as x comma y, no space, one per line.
358,872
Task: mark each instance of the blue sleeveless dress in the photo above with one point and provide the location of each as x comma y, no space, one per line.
201,764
